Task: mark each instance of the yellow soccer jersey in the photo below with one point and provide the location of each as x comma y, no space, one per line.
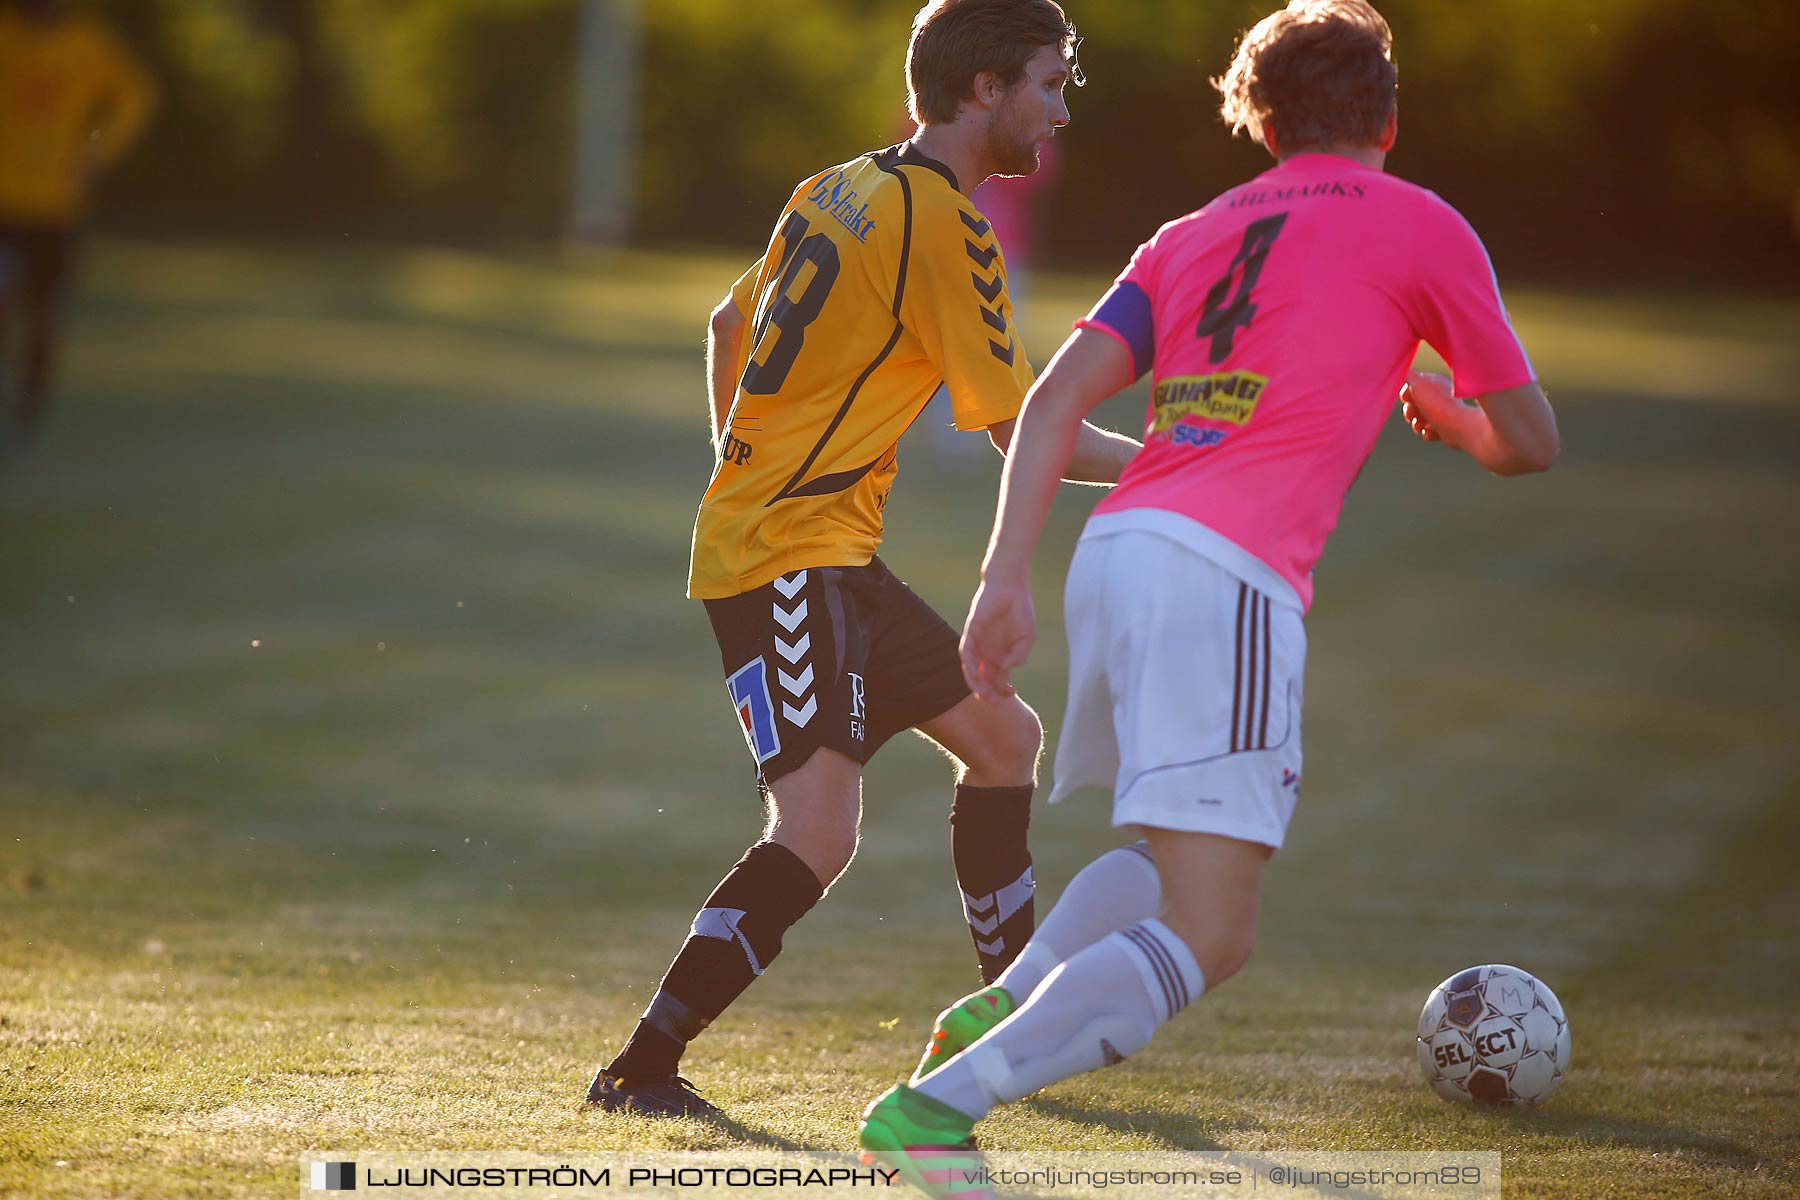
882,281
72,98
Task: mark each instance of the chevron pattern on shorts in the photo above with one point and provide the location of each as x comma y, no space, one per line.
798,704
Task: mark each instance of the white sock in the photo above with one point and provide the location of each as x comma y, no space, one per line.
1099,1008
1118,889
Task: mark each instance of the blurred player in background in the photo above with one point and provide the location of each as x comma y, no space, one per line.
73,98
881,281
1014,203
1278,323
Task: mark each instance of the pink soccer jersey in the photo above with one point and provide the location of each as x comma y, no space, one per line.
1279,323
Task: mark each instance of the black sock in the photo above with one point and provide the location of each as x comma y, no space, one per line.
733,940
993,868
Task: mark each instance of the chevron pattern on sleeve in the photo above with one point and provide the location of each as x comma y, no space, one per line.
985,258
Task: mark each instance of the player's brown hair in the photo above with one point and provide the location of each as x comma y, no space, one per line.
1320,71
953,41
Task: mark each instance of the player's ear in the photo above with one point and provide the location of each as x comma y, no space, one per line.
1390,131
1268,139
987,89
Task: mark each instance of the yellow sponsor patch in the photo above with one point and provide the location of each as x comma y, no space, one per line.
1230,396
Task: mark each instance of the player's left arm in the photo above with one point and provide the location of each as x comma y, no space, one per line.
1507,426
1510,432
1002,623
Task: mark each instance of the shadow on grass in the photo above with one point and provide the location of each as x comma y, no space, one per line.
1176,1132
731,1127
1608,1131
753,1135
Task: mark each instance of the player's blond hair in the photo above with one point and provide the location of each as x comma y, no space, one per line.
953,41
1320,71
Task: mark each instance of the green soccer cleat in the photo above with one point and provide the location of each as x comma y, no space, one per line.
931,1144
962,1025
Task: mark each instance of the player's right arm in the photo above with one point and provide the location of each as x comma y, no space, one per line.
1111,348
1002,622
725,349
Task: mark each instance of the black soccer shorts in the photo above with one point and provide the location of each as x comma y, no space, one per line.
844,657
34,261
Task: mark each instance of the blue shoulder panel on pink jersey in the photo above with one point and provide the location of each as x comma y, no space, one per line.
1126,311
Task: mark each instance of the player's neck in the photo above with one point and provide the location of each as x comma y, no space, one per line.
958,148
1372,157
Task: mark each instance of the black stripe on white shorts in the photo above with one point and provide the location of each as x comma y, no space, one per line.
1250,684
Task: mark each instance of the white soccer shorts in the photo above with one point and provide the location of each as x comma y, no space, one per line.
1185,690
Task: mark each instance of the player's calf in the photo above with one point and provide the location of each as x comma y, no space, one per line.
1211,891
734,938
997,746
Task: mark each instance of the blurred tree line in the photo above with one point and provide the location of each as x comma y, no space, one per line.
1596,140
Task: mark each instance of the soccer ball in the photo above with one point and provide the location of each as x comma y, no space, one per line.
1493,1035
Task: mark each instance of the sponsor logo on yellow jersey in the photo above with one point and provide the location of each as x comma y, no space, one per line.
834,196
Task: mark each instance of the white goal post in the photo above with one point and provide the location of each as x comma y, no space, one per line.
607,97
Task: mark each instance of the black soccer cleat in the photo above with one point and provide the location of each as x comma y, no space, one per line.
671,1097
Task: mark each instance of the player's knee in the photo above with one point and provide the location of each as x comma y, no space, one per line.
839,849
1220,949
826,850
823,840
825,843
41,318
1225,955
1013,744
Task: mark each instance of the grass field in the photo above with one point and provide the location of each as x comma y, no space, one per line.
361,763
